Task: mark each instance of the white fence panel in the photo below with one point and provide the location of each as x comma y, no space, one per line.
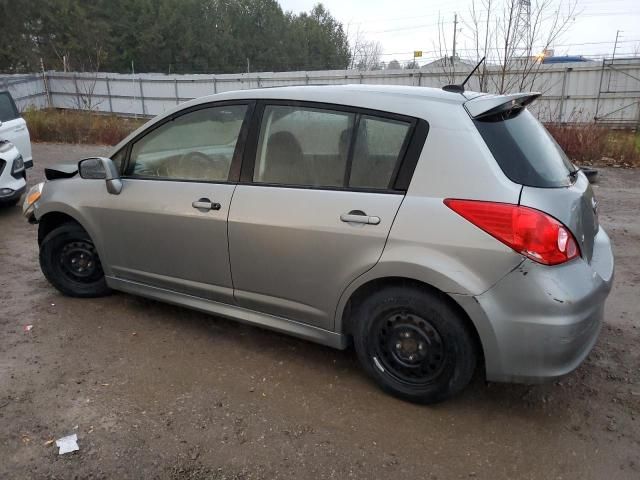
28,91
575,92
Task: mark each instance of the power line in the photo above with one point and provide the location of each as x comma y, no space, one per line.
456,7
482,21
534,48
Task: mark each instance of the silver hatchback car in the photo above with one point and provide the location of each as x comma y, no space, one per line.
436,231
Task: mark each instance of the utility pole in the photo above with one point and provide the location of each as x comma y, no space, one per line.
45,82
133,89
615,45
455,30
248,66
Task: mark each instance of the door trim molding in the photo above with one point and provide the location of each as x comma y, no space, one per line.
233,312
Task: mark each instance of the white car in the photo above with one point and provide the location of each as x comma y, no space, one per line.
15,151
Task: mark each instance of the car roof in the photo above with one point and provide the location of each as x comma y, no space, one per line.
382,97
342,91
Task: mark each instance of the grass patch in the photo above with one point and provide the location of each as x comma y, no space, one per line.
62,126
598,145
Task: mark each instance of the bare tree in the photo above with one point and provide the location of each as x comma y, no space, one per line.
480,28
84,97
511,34
445,62
523,45
365,54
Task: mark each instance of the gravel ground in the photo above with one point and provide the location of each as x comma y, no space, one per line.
156,391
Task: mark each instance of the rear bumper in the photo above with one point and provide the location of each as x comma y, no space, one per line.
540,322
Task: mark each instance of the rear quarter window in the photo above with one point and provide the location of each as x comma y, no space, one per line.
524,150
8,110
379,146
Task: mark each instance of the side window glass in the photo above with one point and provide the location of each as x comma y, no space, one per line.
195,146
303,146
8,109
118,158
379,145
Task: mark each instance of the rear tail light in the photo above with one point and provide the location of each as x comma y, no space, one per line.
530,232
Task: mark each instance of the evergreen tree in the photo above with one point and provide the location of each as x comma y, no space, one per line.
182,36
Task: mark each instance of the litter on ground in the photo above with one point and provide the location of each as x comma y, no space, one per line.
67,444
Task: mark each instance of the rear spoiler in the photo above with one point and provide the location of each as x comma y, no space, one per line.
487,105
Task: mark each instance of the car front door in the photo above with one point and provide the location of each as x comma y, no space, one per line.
314,207
168,226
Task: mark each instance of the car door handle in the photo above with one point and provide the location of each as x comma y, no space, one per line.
357,216
205,205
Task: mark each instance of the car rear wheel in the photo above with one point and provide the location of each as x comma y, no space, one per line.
69,260
414,344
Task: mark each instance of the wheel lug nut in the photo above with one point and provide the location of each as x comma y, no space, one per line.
398,345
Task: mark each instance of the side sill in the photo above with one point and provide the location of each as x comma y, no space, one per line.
233,312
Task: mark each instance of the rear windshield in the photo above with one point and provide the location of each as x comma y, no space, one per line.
525,151
8,109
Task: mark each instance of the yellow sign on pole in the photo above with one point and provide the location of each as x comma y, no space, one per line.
417,53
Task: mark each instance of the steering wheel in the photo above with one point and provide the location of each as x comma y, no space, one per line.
196,165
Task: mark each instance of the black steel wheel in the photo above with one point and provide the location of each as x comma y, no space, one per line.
414,343
79,261
408,347
70,261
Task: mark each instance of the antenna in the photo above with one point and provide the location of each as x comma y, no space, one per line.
460,88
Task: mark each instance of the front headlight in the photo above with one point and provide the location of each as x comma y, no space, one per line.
18,167
31,198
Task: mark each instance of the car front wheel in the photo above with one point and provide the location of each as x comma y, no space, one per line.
414,343
69,260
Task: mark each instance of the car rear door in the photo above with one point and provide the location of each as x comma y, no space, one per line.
14,128
320,189
168,226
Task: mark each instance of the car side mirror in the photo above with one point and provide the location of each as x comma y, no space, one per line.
101,168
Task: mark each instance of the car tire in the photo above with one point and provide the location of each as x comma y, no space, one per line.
69,260
414,343
10,203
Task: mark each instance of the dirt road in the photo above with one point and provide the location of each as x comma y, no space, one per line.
155,391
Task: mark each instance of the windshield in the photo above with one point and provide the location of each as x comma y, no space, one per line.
8,109
525,151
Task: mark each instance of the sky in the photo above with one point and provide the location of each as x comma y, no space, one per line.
402,26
